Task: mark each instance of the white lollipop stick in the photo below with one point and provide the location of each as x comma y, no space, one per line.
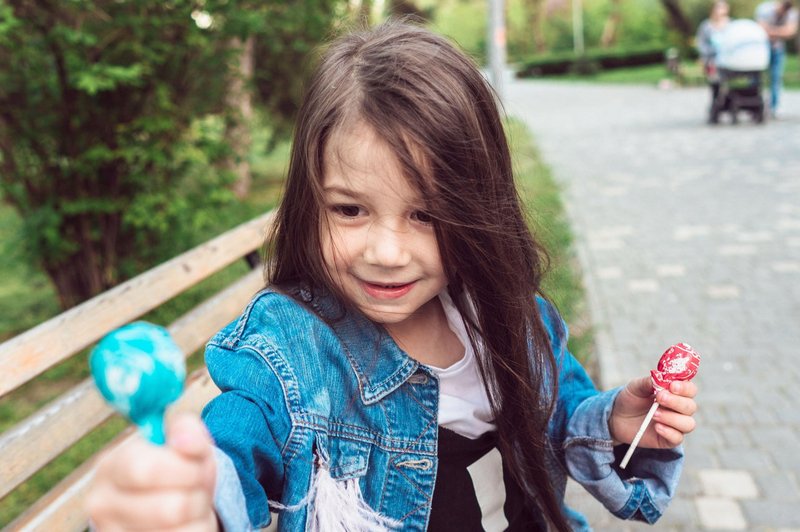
638,436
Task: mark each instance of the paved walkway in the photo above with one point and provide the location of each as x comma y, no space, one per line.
688,232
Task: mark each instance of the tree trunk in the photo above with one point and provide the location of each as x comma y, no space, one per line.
536,16
91,269
677,18
365,11
609,36
237,126
407,8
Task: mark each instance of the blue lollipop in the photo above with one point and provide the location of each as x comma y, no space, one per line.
140,371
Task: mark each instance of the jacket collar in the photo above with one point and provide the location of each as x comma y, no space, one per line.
378,364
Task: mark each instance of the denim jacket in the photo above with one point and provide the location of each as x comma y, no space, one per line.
307,385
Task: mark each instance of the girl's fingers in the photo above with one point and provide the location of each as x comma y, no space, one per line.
188,435
670,436
678,403
143,466
155,510
683,388
107,527
641,387
204,525
683,424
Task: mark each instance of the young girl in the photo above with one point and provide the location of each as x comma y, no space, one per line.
400,370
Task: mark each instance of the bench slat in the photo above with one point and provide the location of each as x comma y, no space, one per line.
28,446
62,508
32,352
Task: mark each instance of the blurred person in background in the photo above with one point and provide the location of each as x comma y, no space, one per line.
707,35
779,19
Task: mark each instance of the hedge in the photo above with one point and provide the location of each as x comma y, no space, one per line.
592,61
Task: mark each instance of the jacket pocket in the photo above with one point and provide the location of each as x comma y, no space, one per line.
348,458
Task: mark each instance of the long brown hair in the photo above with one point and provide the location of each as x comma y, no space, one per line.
431,105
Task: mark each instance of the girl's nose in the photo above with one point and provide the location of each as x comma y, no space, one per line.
388,244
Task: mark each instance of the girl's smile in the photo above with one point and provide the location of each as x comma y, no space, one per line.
387,291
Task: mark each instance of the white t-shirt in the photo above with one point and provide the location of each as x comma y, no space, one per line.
463,402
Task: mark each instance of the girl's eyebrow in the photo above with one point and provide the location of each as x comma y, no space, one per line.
335,189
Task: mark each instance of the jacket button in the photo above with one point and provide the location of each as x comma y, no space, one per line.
418,378
305,295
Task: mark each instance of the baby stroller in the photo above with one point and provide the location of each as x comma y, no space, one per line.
741,59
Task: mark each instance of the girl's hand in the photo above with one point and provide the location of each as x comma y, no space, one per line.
671,422
145,487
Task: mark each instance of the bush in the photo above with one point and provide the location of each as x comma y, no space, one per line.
107,151
591,62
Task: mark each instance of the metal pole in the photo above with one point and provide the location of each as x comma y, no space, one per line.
497,45
577,26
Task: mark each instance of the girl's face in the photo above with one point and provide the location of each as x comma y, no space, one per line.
378,242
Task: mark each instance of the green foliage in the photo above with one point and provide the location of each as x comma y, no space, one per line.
464,21
112,122
98,78
97,98
642,23
287,34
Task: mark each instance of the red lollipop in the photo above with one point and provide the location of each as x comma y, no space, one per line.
678,363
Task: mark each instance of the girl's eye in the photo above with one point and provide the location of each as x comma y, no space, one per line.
422,217
348,211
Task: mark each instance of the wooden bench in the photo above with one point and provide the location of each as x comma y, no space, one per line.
35,441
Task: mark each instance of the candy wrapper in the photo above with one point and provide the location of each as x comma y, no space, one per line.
678,363
139,370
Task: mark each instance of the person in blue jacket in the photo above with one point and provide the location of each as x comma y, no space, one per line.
402,369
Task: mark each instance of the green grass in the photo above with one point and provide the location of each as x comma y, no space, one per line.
33,290
653,74
545,210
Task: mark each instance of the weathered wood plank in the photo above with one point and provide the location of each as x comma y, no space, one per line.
62,507
28,446
192,330
32,352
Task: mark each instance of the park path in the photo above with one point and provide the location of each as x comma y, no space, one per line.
688,232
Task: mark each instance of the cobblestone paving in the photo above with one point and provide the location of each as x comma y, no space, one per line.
690,232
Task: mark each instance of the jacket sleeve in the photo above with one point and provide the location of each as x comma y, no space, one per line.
250,424
579,430
705,47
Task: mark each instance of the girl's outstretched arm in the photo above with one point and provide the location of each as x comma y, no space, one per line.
671,422
140,486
